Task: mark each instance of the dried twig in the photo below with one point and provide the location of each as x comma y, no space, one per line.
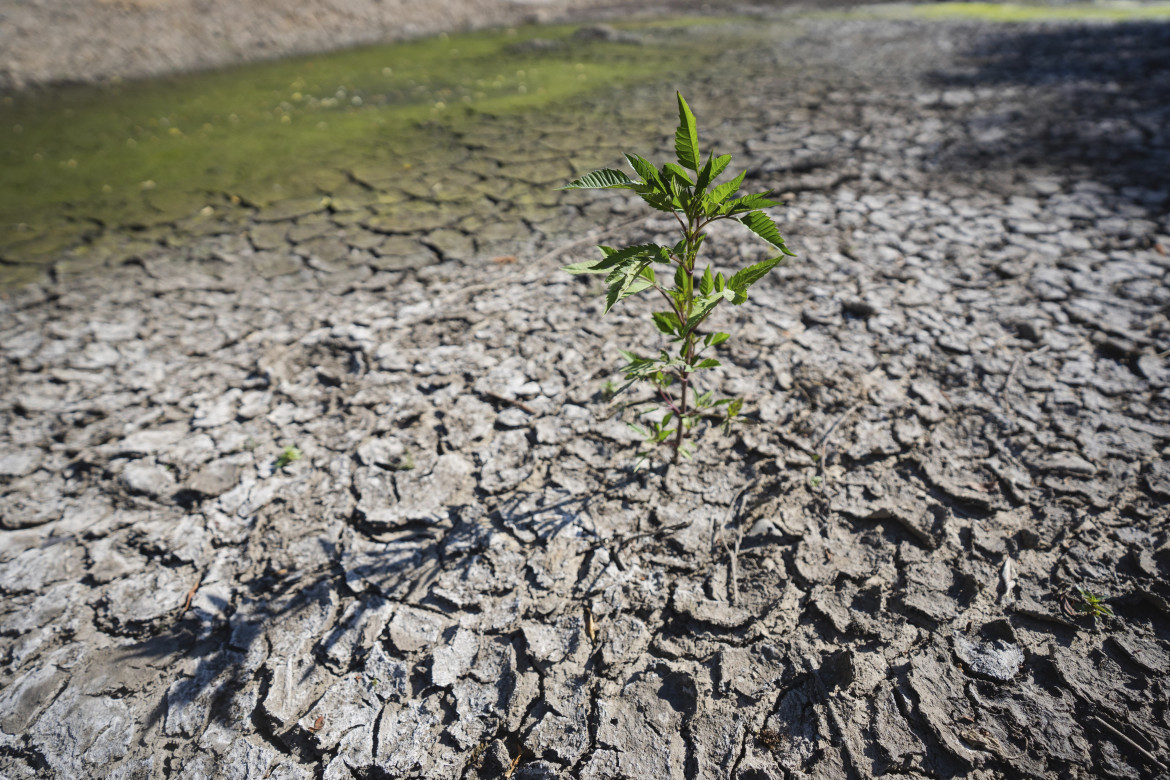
1016,364
824,440
511,401
191,595
1116,732
655,532
515,763
733,554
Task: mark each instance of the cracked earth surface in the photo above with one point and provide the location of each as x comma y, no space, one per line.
961,410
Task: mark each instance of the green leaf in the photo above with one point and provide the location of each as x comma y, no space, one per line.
625,285
661,202
715,339
762,225
604,179
708,363
630,356
646,170
726,190
711,170
704,177
703,307
721,163
686,137
733,408
744,279
679,174
706,283
587,267
748,203
667,322
628,278
615,257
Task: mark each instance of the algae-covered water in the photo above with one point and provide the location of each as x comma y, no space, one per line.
79,160
90,173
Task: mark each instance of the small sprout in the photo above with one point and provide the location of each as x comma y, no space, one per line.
405,463
1078,601
608,390
289,454
816,481
690,291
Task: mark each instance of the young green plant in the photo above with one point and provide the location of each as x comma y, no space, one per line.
686,190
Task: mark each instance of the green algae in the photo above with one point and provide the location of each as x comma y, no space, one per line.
78,159
1012,12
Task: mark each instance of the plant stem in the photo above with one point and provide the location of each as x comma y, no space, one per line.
668,400
678,437
688,348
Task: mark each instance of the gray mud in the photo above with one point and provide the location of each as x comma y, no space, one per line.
961,408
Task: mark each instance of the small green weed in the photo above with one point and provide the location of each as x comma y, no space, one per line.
405,463
288,455
1080,602
687,191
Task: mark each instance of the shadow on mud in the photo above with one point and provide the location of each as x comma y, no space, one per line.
1094,100
335,618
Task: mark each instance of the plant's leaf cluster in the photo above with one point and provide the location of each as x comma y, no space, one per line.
686,189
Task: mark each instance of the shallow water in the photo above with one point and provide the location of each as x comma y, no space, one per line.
378,126
435,149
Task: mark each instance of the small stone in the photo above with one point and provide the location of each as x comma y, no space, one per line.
147,478
20,463
150,441
1068,463
413,629
695,606
997,660
859,308
215,478
452,661
144,601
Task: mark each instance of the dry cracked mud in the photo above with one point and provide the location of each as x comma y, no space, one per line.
960,413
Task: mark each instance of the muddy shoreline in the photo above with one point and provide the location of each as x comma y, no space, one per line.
61,41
